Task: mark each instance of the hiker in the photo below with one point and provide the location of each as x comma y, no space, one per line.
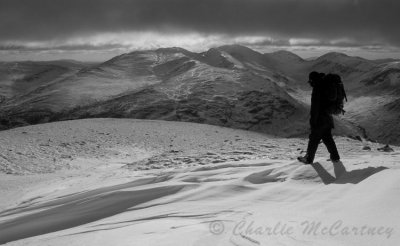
321,121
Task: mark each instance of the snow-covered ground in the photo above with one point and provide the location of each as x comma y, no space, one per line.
137,182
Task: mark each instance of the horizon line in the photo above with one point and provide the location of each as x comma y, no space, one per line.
299,53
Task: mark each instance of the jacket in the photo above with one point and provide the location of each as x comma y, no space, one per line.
319,117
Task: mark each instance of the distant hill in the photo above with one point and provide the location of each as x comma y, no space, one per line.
18,78
231,85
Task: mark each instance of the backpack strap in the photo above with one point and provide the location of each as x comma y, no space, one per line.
344,92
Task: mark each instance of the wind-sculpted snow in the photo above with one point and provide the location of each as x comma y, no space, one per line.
161,198
137,181
103,181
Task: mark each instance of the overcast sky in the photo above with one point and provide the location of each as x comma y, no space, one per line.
100,29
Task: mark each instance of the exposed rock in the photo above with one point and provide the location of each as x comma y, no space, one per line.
385,148
366,147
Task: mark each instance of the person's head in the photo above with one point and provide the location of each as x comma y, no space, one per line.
314,77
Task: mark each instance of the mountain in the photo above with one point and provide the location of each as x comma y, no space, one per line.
259,64
385,60
384,77
373,90
245,55
376,105
215,87
92,84
231,85
351,69
378,116
18,78
342,64
348,67
284,57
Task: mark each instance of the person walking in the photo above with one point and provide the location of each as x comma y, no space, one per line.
321,121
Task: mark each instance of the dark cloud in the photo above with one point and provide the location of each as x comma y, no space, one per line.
74,47
364,20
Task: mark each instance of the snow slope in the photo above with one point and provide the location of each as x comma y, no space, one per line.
242,188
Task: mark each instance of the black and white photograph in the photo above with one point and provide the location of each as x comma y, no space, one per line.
199,122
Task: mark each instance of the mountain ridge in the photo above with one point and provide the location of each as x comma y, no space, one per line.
176,84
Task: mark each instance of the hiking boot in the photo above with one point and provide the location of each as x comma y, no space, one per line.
337,159
304,160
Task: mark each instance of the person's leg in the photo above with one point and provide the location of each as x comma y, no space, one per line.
330,145
313,141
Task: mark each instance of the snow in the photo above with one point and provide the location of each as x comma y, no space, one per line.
250,191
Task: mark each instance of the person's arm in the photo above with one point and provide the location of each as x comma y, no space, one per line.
315,107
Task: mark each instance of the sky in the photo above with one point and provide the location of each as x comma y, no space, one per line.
96,30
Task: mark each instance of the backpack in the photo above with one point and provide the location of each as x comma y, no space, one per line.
334,94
